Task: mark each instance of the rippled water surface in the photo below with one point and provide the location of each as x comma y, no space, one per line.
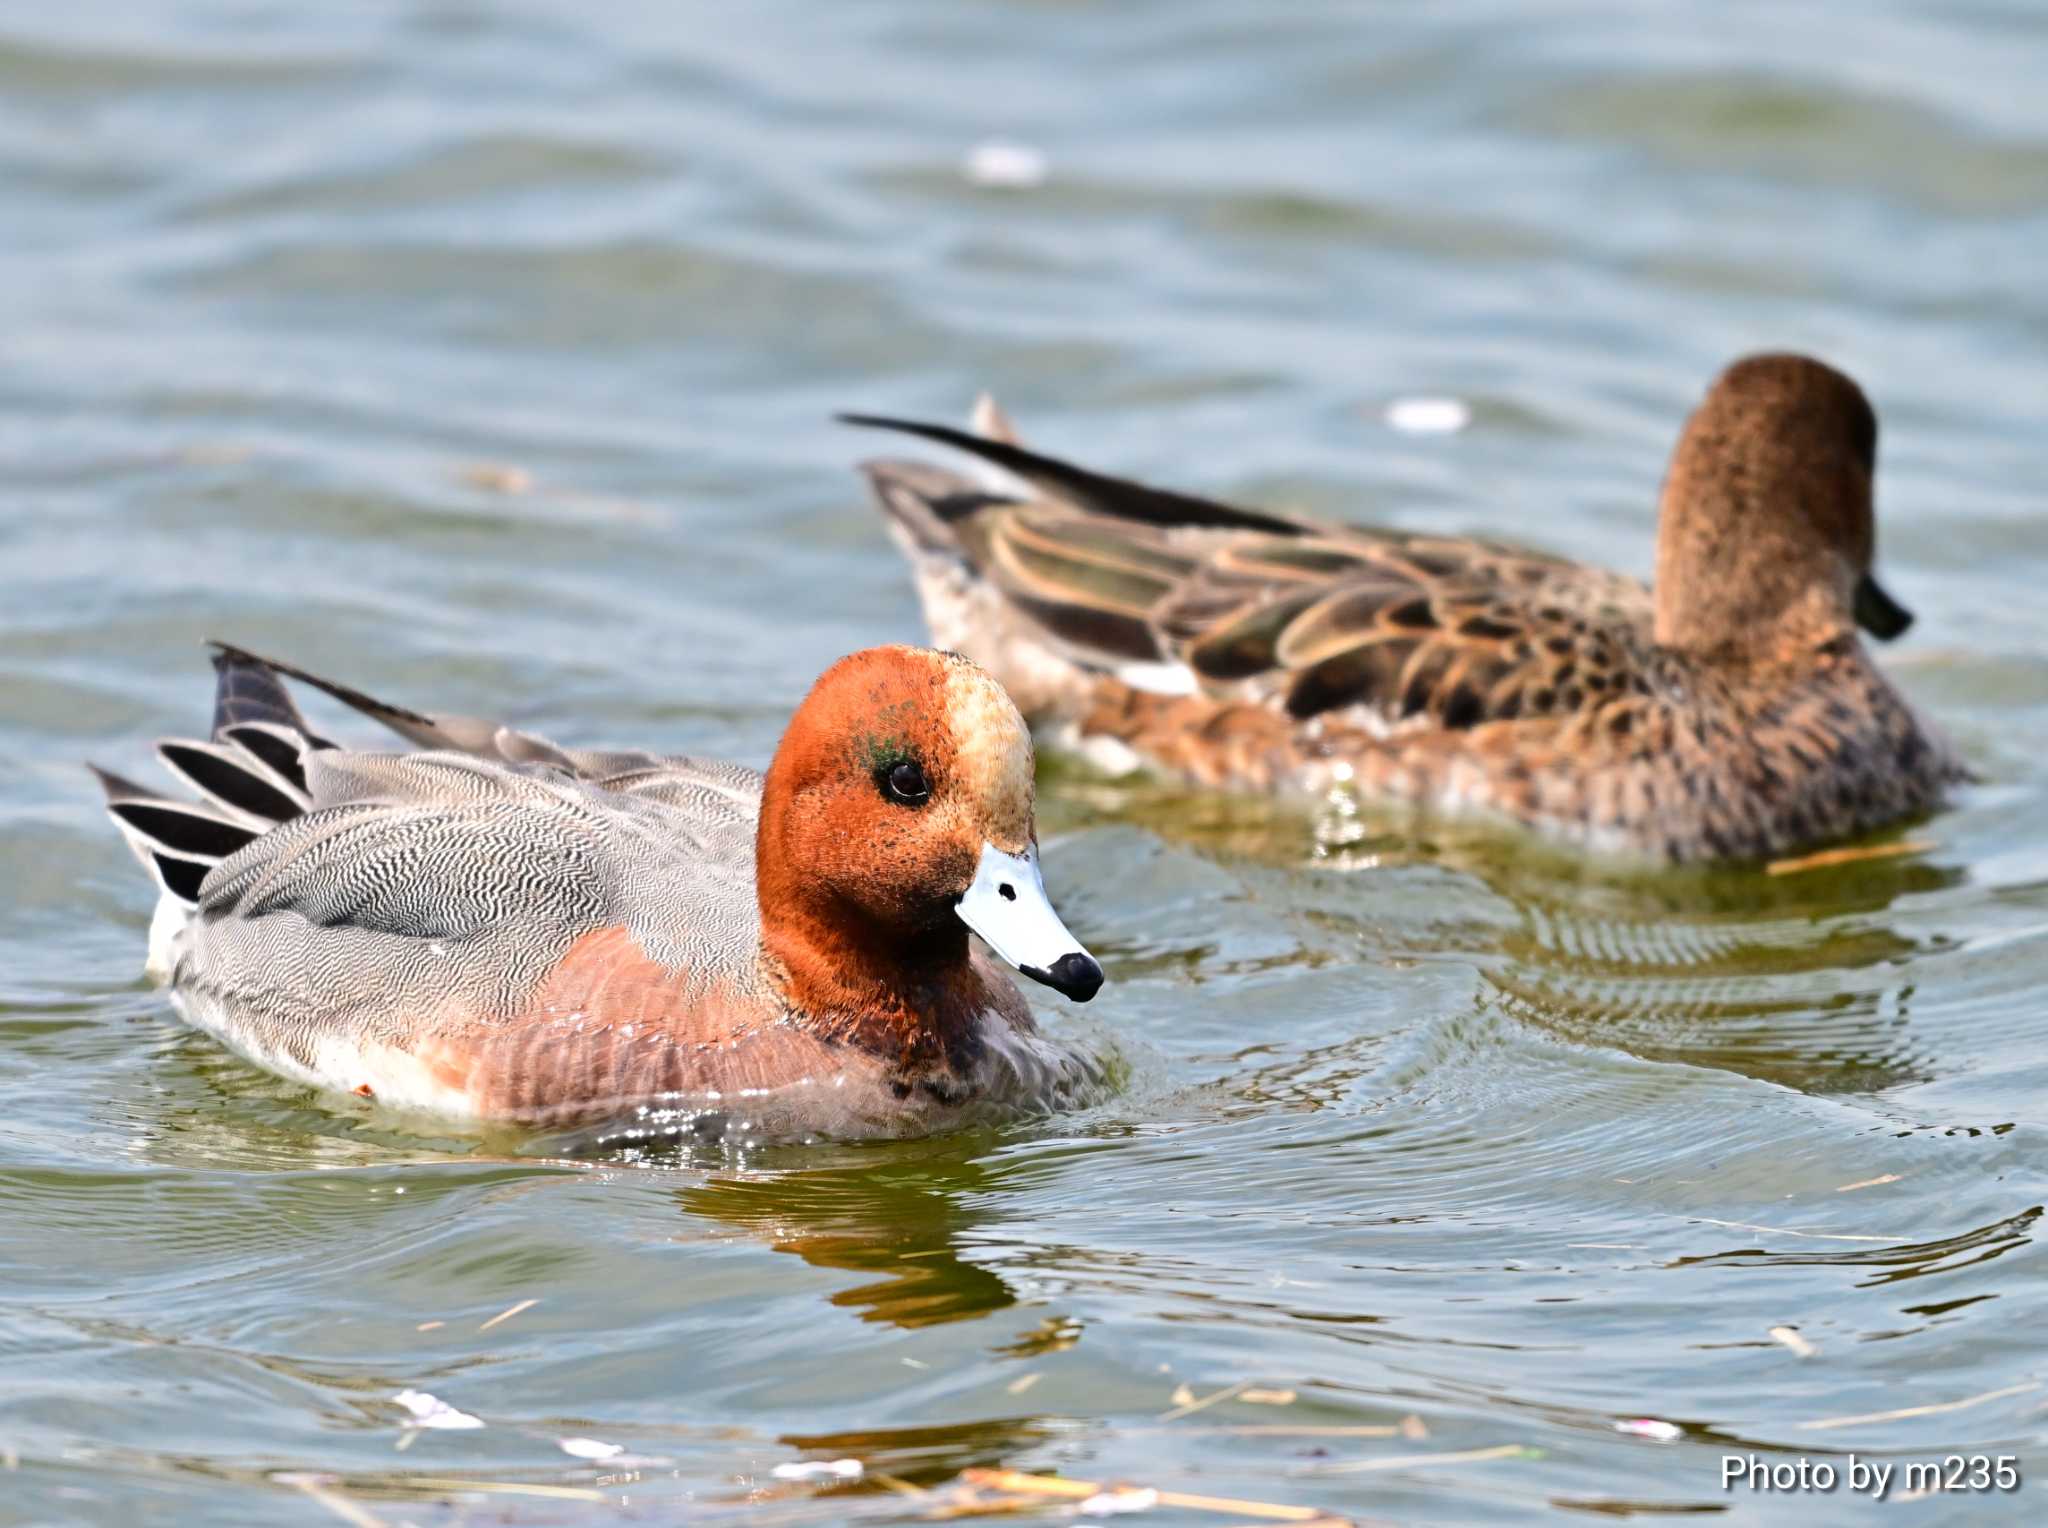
483,355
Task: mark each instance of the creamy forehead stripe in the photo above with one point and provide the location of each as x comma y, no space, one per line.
993,751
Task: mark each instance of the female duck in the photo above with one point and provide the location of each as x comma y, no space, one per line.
499,929
1734,713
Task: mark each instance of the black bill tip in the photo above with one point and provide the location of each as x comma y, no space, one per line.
1075,975
1878,613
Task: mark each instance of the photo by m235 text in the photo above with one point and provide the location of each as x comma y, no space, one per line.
1876,1478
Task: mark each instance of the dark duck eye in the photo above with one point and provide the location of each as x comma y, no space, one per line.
904,781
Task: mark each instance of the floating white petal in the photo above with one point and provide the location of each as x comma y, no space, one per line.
820,1469
431,1411
1014,166
1119,1500
1650,1427
1428,416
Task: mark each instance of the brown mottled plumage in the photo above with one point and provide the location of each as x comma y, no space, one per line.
1733,714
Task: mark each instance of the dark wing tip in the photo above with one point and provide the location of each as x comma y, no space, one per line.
1094,492
349,696
250,688
234,780
182,878
186,831
944,434
867,421
118,787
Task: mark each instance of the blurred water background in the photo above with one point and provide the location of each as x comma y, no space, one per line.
483,355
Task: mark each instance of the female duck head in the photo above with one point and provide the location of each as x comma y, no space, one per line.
1765,534
898,814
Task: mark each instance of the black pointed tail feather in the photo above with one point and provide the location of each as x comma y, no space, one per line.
464,734
119,787
237,783
177,842
247,689
251,773
355,699
251,776
188,831
1092,491
280,749
182,878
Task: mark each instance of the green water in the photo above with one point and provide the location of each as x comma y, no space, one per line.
1443,1130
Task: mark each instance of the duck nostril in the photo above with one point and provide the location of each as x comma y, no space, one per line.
1007,892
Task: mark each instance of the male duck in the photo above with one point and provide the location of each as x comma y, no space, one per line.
1731,714
499,929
